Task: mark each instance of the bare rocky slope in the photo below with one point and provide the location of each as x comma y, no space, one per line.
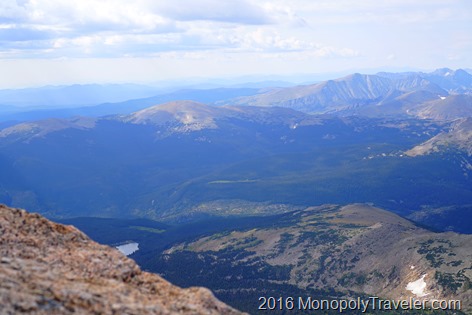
459,137
355,248
441,95
48,268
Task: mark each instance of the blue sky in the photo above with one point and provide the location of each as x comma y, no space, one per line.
87,41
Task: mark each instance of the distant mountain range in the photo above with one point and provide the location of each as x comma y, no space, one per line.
373,138
182,160
267,191
409,94
173,117
73,95
188,116
412,94
123,102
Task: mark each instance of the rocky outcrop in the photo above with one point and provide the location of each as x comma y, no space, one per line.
49,268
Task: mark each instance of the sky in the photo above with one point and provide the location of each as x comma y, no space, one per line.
143,41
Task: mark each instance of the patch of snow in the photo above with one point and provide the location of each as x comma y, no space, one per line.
417,287
376,226
128,249
442,97
412,267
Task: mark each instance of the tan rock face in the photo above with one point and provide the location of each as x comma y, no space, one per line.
48,268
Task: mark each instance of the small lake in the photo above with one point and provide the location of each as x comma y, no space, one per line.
128,249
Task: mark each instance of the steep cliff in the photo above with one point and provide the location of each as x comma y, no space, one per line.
48,268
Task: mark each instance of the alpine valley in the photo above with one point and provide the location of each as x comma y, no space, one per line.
354,187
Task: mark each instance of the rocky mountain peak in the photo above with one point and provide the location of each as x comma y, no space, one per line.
187,114
442,72
41,128
49,268
463,76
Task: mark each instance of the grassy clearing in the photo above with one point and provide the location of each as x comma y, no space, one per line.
233,181
147,229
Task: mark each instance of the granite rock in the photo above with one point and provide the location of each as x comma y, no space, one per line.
49,268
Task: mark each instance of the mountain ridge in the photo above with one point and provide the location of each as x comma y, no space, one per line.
169,160
458,137
351,249
179,116
357,94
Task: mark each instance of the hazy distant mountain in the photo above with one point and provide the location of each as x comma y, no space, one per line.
7,109
30,130
454,81
419,104
249,194
74,95
209,96
381,95
323,97
445,108
185,116
396,104
173,117
183,160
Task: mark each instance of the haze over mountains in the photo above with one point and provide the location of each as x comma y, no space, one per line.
156,162
371,95
254,178
73,95
125,106
171,160
383,94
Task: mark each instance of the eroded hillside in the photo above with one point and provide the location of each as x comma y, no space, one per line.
355,249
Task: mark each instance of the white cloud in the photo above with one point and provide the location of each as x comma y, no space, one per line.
288,35
62,25
11,10
146,26
89,25
115,28
85,16
229,11
385,11
262,40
